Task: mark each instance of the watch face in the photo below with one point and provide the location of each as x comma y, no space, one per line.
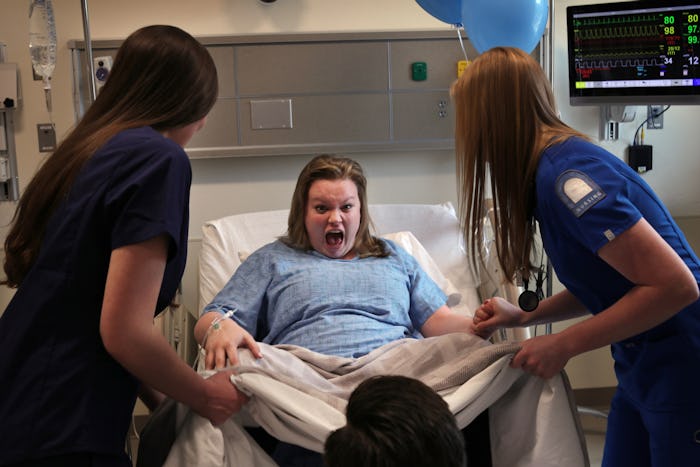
528,300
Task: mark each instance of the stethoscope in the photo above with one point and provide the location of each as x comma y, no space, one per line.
530,299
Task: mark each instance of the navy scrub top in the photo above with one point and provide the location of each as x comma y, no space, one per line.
60,391
585,198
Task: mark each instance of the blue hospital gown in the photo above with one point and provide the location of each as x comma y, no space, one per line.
331,306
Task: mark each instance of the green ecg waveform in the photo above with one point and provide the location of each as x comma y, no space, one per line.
618,32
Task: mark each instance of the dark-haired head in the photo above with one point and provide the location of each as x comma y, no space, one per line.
162,77
396,421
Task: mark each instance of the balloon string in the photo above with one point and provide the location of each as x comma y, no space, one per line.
461,43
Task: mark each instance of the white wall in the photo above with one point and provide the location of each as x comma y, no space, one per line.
226,186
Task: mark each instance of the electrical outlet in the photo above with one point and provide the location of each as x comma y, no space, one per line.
655,119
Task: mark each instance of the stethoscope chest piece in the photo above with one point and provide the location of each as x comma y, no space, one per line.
528,300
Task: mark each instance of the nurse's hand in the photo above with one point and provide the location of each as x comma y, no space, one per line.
543,356
221,398
496,313
222,345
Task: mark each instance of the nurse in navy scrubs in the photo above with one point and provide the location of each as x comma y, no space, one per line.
97,247
612,243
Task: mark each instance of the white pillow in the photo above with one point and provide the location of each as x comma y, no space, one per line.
410,243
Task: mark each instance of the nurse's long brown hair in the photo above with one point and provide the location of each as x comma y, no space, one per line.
163,78
505,117
328,167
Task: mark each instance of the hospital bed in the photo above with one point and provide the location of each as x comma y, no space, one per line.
533,422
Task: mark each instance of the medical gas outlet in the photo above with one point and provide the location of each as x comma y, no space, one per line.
102,66
419,71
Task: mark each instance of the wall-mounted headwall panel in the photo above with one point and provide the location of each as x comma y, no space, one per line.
312,68
313,93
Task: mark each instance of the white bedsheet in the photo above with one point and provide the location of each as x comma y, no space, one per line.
299,397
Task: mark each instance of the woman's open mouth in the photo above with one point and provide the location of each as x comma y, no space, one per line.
334,238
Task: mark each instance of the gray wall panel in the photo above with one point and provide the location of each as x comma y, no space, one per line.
425,115
223,58
221,129
347,92
311,68
325,119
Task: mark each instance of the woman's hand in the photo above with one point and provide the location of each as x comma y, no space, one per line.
223,342
543,356
495,313
221,398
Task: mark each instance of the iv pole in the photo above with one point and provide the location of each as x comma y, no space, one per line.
547,57
88,49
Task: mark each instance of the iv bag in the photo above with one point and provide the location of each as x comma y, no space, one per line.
42,38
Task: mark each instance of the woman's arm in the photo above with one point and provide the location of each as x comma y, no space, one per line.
663,286
126,327
496,313
445,321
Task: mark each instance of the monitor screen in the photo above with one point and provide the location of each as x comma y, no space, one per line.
639,52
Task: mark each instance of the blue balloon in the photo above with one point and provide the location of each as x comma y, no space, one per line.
513,23
448,11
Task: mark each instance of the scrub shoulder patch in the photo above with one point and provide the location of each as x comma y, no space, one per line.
577,191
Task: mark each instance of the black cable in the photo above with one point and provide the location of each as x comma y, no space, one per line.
529,299
651,117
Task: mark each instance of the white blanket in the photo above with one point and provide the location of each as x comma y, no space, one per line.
299,397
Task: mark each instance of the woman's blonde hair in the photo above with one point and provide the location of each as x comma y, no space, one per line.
505,117
328,167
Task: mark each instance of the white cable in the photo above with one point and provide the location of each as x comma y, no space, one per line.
461,43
